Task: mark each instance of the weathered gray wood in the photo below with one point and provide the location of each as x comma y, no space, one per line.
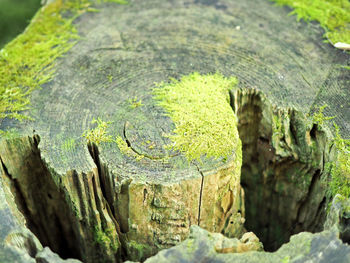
125,49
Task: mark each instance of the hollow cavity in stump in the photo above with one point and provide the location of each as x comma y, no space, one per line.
145,193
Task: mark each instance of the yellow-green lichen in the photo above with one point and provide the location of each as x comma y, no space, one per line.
99,133
28,61
199,106
333,15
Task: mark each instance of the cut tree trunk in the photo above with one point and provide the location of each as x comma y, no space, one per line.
96,202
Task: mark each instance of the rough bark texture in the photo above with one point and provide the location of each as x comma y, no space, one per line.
283,169
68,213
339,217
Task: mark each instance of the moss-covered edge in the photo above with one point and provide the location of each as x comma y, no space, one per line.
333,16
105,238
28,61
199,106
98,134
340,168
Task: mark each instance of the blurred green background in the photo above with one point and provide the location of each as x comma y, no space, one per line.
14,17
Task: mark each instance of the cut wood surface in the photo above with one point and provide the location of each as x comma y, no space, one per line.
153,193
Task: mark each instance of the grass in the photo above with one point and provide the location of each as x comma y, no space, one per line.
27,62
199,107
333,15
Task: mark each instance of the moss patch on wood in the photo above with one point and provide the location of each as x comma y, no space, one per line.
333,15
199,106
135,103
9,134
123,146
319,118
105,238
121,2
28,61
340,170
99,133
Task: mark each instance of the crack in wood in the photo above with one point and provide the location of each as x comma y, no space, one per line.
18,195
315,178
200,195
102,174
152,157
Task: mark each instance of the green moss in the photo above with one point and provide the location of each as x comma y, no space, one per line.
126,150
138,251
123,146
28,61
135,103
346,67
190,245
344,203
99,133
286,259
319,118
9,134
110,78
340,170
105,238
277,125
68,145
121,2
333,15
205,124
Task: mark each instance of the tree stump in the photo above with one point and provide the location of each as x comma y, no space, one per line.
114,201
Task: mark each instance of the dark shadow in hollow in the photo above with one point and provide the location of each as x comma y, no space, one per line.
282,169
